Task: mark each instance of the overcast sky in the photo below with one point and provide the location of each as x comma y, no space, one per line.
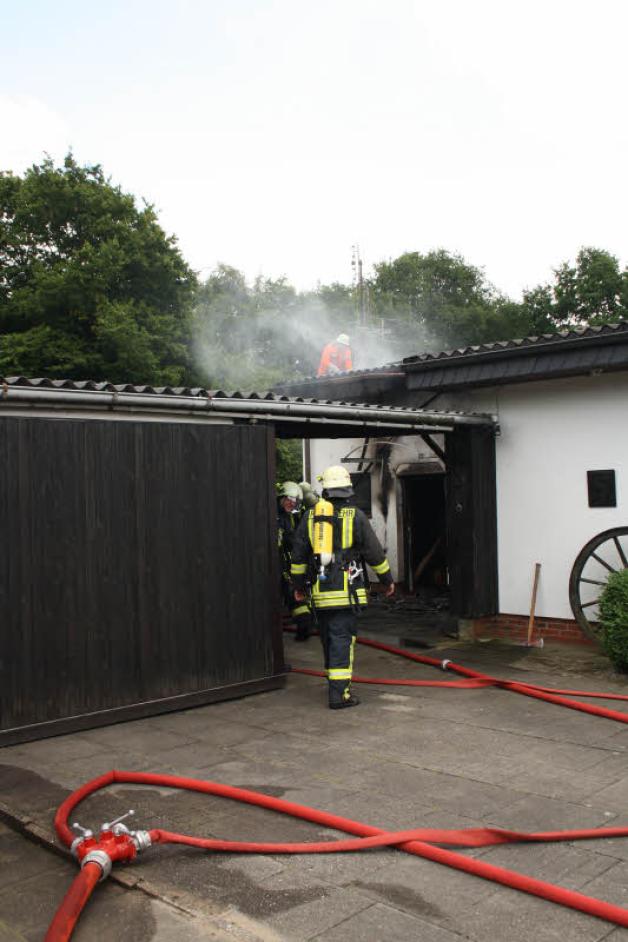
273,135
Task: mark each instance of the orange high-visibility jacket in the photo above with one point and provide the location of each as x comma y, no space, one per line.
336,357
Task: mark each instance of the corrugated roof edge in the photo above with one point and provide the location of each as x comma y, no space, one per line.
43,382
197,392
561,337
571,335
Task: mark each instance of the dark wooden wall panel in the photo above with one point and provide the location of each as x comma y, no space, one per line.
472,521
137,563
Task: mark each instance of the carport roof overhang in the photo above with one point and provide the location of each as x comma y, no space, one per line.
290,417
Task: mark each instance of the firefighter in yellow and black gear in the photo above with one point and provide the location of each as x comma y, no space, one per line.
289,500
327,550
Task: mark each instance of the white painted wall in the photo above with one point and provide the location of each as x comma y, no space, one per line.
552,433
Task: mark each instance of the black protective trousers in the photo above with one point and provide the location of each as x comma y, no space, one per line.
338,630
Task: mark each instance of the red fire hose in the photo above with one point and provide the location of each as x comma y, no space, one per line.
117,843
66,917
419,842
475,679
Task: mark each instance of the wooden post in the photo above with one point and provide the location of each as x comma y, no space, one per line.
535,585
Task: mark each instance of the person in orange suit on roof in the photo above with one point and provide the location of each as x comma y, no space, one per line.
336,357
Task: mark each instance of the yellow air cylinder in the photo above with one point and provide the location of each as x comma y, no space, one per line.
323,532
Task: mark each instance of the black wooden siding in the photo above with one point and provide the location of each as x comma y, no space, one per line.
137,564
472,521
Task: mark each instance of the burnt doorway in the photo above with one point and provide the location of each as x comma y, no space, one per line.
426,570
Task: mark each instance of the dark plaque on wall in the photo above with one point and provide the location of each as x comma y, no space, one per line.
601,485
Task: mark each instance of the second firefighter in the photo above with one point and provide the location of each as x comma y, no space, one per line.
288,515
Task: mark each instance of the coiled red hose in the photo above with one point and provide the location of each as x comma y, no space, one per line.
420,841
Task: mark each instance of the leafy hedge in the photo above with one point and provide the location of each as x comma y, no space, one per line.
614,618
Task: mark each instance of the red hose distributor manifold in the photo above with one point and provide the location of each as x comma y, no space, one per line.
115,843
422,842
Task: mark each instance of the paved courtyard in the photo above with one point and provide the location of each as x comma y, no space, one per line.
406,757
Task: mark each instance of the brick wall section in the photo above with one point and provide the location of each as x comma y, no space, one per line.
515,628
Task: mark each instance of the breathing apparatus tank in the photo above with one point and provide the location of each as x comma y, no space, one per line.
323,535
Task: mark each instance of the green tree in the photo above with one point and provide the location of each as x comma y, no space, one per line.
339,300
289,460
593,291
438,300
90,286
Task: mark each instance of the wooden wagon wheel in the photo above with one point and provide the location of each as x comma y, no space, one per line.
607,552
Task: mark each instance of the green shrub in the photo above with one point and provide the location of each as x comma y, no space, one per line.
614,618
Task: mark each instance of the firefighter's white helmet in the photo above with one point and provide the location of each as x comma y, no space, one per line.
343,338
291,489
310,497
335,476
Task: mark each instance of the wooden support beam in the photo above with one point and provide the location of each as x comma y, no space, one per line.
438,451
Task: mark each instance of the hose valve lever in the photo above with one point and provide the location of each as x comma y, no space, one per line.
85,833
109,825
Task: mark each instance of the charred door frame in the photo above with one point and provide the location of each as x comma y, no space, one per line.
404,549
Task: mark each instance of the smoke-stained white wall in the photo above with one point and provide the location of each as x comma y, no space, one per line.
405,450
552,433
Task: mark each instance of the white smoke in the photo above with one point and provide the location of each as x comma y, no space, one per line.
279,343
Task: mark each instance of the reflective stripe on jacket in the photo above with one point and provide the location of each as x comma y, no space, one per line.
354,538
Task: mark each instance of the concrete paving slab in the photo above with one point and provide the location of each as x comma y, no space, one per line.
611,885
201,725
613,798
17,867
614,848
440,789
63,772
507,915
437,738
537,813
571,865
387,924
339,869
425,889
143,736
322,906
74,748
537,779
